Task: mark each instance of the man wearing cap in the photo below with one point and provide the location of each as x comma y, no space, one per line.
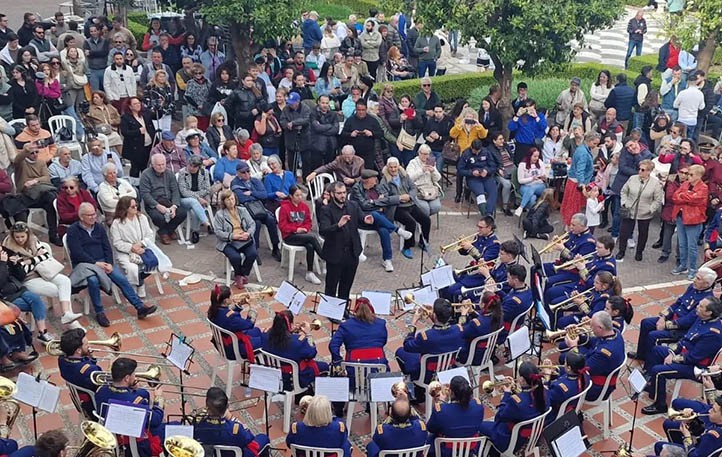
91,165
175,158
295,120
568,98
194,185
159,191
361,131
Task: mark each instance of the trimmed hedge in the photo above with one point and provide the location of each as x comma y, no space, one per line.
448,87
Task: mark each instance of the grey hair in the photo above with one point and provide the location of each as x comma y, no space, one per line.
242,133
673,451
84,207
707,274
604,319
425,80
256,146
589,136
72,178
274,158
348,148
110,166
157,157
580,218
63,149
392,161
424,148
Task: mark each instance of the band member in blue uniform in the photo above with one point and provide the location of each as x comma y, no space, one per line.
319,428
227,315
688,407
17,348
77,365
488,320
124,388
52,443
363,336
579,242
678,360
516,302
673,323
459,417
621,310
293,342
219,427
516,407
400,432
571,381
708,443
605,285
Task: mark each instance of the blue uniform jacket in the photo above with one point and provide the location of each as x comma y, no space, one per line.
475,328
17,336
594,266
363,342
684,311
436,340
712,231
229,432
245,330
390,437
301,351
514,408
451,420
606,355
709,442
701,342
560,390
488,247
483,160
514,304
77,370
333,435
582,244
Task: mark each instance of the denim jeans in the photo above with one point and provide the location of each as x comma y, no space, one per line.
687,236
192,204
530,192
384,227
439,160
119,280
427,65
637,120
631,46
691,131
28,301
616,202
270,151
487,186
270,222
95,78
241,260
454,40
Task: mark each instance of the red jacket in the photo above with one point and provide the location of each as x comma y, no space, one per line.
692,202
67,211
291,217
713,178
6,186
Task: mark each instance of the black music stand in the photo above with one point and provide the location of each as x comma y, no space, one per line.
180,353
522,248
558,429
319,296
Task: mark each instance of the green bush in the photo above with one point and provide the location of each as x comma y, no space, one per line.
138,30
326,9
544,91
448,87
637,62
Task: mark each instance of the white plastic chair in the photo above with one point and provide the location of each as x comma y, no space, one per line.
537,425
62,120
229,272
461,447
32,212
75,392
678,382
307,451
20,122
605,397
218,450
270,360
578,398
316,187
362,389
86,300
218,334
292,250
486,363
410,452
444,361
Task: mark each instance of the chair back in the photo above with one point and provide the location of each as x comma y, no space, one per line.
535,425
224,451
319,183
461,447
515,323
577,400
218,334
490,339
75,392
420,451
67,251
104,138
267,359
444,361
59,121
18,122
308,451
362,382
607,389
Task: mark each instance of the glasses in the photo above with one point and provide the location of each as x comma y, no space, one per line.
68,187
54,63
220,119
119,42
643,169
244,172
426,85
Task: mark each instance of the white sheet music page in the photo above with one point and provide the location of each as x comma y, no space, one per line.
336,389
180,352
381,388
331,307
49,399
179,430
381,301
442,277
285,293
29,390
446,375
570,444
267,379
125,419
425,295
519,342
637,381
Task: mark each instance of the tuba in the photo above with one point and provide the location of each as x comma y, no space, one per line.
7,405
98,441
182,446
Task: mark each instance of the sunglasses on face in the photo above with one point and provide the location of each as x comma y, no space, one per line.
54,63
68,187
426,85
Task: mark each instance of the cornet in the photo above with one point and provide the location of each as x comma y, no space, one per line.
573,262
114,343
489,386
673,414
559,239
426,311
456,244
315,325
572,331
569,302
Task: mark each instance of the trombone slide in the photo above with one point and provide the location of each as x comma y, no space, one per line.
455,244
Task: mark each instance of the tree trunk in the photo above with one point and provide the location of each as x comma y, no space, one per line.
706,53
504,76
241,41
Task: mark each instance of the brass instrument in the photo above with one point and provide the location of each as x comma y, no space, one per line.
554,368
98,441
673,414
713,263
459,307
573,262
559,239
315,325
426,310
572,331
303,404
489,386
704,372
569,302
623,451
182,446
495,287
400,389
114,343
456,244
438,391
11,407
197,415
266,292
468,270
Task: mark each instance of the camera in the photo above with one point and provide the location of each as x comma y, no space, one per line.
44,142
84,107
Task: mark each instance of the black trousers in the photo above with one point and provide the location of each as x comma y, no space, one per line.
625,232
340,275
408,216
310,242
166,228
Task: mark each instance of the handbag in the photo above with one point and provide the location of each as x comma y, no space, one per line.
150,261
79,80
255,208
407,140
626,213
49,268
451,151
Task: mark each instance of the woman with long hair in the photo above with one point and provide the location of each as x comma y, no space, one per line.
158,99
134,61
23,93
294,222
536,221
477,324
234,229
397,65
552,146
580,173
319,428
459,417
490,118
226,313
499,147
328,84
268,129
222,86
138,132
49,92
571,382
295,343
598,94
218,132
606,285
27,59
532,177
363,336
530,402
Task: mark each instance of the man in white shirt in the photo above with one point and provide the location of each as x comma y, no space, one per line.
689,102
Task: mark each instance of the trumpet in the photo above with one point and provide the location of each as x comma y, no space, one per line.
569,302
572,331
98,441
113,343
571,263
182,446
496,287
682,416
438,390
559,239
266,292
554,368
458,307
315,325
489,386
468,270
426,311
456,244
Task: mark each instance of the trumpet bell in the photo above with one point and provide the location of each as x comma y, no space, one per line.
182,446
98,435
316,324
7,388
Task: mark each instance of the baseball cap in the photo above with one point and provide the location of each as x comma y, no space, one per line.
168,135
293,98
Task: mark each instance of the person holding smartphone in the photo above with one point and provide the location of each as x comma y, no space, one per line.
92,164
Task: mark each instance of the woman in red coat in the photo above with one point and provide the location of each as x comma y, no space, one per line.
69,200
294,221
690,212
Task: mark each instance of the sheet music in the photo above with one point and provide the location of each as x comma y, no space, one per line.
570,443
331,307
296,304
267,379
381,301
29,390
637,381
519,342
336,389
426,295
438,278
446,375
180,352
49,399
381,387
543,315
285,293
126,420
179,430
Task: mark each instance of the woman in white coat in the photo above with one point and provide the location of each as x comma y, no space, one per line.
111,190
426,176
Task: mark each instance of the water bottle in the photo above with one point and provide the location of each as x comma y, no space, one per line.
167,217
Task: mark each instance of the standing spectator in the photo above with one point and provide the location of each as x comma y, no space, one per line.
350,44
25,32
689,102
9,53
370,43
158,99
171,54
642,86
621,98
93,162
598,94
149,68
234,229
96,49
118,27
668,55
426,98
300,87
636,28
311,32
295,121
610,125
268,129
118,45
423,173
412,35
160,194
330,43
242,104
437,130
489,117
151,39
578,117
531,175
315,59
498,147
710,98
120,83
690,206
44,49
428,50
23,93
58,28
73,76
629,159
361,131
641,198
580,173
196,96
465,131
105,119
568,98
669,222
111,190
194,185
191,48
324,129
294,222
328,84
5,31
529,127
672,84
212,58
138,132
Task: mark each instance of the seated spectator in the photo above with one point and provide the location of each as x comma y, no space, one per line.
197,148
258,162
64,166
194,184
105,119
159,192
225,169
683,156
532,177
13,351
670,142
134,243
294,222
480,170
423,173
218,132
11,205
190,124
499,148
175,157
93,162
69,200
32,179
234,229
278,182
92,260
578,117
552,146
407,213
397,66
244,142
346,167
43,141
251,193
111,190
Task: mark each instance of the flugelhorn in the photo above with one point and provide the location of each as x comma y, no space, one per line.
573,262
456,244
315,325
183,446
98,441
559,239
569,302
489,386
114,343
468,270
572,331
682,416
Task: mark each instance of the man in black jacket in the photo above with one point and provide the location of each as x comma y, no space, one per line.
295,120
436,132
361,131
324,128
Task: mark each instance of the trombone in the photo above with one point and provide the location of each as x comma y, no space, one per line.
456,244
113,343
571,263
559,239
569,302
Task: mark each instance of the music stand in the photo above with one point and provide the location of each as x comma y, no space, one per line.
180,353
562,438
288,295
332,318
40,394
522,248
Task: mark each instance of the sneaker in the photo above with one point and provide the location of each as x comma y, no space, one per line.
524,235
102,320
45,337
146,311
631,243
543,236
405,234
388,266
518,211
619,257
70,317
362,257
195,237
140,290
312,278
662,259
679,270
407,253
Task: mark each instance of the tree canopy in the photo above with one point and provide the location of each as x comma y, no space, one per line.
700,24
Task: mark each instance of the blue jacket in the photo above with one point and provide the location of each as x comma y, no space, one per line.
628,166
701,342
451,420
301,350
311,32
88,248
390,437
363,342
527,129
77,370
206,152
229,432
275,183
333,435
683,312
475,328
621,98
225,165
668,98
245,329
606,355
239,186
560,390
486,159
582,167
514,408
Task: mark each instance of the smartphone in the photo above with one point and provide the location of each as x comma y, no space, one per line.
469,121
109,155
410,113
431,161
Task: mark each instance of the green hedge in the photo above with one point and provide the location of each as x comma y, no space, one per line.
448,87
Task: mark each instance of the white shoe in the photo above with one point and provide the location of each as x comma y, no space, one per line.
140,290
405,234
323,268
518,211
75,324
70,317
631,243
388,266
361,258
312,278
